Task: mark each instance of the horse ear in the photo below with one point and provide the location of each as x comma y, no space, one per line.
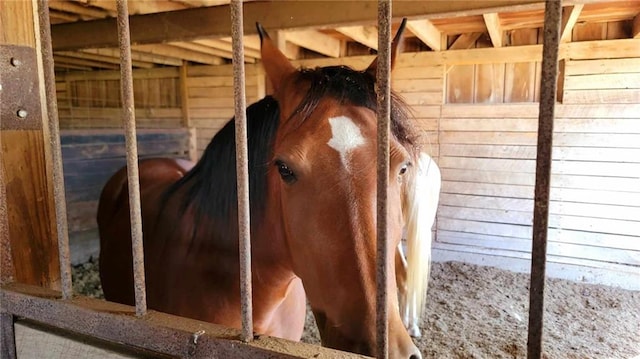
275,63
394,49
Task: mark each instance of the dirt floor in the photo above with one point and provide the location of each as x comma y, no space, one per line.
481,312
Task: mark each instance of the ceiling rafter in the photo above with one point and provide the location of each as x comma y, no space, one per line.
570,16
465,41
427,32
138,56
315,41
83,54
180,53
366,35
492,21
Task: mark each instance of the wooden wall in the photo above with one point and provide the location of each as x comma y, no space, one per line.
210,97
92,100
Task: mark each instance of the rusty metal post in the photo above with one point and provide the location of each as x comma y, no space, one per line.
56,150
548,88
7,337
242,170
129,120
384,110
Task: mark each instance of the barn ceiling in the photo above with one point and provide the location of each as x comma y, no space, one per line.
170,32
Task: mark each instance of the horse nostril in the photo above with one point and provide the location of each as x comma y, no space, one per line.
415,356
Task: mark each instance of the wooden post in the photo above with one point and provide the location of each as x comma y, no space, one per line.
26,169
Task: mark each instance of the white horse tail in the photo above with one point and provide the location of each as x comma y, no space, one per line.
419,209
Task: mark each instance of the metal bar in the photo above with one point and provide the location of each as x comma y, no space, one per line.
158,332
548,87
8,334
383,70
56,151
129,120
242,170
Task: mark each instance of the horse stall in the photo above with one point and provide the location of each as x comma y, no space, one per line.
471,75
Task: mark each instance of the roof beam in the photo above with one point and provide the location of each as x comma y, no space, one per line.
84,54
635,31
137,56
60,60
465,41
195,23
366,35
427,33
492,20
180,53
72,7
570,16
315,41
226,46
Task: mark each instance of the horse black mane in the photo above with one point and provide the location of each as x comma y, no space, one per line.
211,183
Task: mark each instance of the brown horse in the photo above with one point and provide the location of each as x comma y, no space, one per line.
312,156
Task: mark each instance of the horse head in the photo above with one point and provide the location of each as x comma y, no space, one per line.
322,180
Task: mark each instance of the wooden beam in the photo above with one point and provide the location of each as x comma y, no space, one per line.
465,41
366,35
137,56
635,31
198,47
58,59
492,21
315,41
427,33
180,53
226,46
25,158
75,8
570,16
195,23
84,54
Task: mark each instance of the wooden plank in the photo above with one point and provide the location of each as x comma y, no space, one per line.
488,164
490,138
631,96
418,100
611,197
597,154
604,81
623,48
488,151
459,87
589,183
486,228
465,41
492,21
488,202
554,248
595,210
466,175
602,66
166,72
418,72
366,35
315,41
417,85
428,33
570,16
490,124
598,111
491,111
635,27
489,81
26,162
487,189
213,92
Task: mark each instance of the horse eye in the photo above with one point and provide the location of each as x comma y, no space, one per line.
285,172
404,169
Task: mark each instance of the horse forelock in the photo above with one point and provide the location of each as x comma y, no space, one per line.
351,87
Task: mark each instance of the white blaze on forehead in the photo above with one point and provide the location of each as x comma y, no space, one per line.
346,137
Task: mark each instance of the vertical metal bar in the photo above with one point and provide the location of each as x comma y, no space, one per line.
242,170
129,120
8,334
56,151
552,16
384,109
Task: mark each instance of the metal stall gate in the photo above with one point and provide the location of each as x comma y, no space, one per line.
174,336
